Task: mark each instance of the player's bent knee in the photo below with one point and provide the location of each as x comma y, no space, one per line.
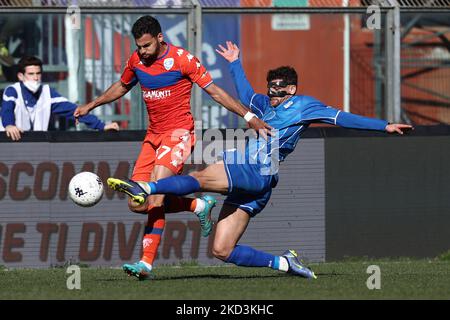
221,252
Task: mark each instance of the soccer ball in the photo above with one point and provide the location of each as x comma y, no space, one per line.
86,189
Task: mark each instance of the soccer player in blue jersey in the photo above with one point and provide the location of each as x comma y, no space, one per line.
248,178
28,104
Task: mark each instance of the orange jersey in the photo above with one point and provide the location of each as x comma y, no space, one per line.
166,87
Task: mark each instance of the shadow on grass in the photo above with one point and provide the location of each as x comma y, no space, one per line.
203,276
219,276
226,277
332,274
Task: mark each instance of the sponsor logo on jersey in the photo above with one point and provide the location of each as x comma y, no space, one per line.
155,94
180,52
189,57
168,63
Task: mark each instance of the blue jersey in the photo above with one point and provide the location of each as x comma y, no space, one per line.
290,119
59,105
252,175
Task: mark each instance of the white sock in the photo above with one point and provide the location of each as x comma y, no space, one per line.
149,266
200,205
145,186
284,265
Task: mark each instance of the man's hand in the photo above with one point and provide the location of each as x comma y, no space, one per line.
112,126
260,127
398,127
13,132
82,111
231,53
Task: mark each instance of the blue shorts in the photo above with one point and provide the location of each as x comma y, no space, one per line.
248,188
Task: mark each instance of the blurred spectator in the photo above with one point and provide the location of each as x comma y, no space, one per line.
19,36
28,105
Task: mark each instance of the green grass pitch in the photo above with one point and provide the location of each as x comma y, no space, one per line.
401,279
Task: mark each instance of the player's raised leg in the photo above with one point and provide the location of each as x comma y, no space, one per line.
213,179
202,207
232,224
164,166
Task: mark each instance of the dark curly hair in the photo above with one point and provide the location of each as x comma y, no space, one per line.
286,73
28,61
146,24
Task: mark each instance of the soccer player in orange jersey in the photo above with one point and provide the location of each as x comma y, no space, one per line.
166,74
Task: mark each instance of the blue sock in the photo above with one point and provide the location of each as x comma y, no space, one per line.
249,257
176,185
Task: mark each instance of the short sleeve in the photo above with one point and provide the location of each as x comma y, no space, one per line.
194,70
128,75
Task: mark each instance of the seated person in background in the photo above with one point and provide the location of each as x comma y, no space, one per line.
27,105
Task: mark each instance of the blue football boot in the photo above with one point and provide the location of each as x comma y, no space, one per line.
296,267
205,215
130,187
138,270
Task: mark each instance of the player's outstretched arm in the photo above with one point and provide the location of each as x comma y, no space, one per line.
231,104
117,90
318,112
351,120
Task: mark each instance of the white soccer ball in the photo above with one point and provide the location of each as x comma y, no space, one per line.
86,189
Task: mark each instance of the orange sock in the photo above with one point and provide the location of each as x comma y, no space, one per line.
152,234
174,204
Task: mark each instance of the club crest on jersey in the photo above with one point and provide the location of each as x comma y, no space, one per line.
168,63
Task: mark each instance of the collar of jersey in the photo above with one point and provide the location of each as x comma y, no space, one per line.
165,53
